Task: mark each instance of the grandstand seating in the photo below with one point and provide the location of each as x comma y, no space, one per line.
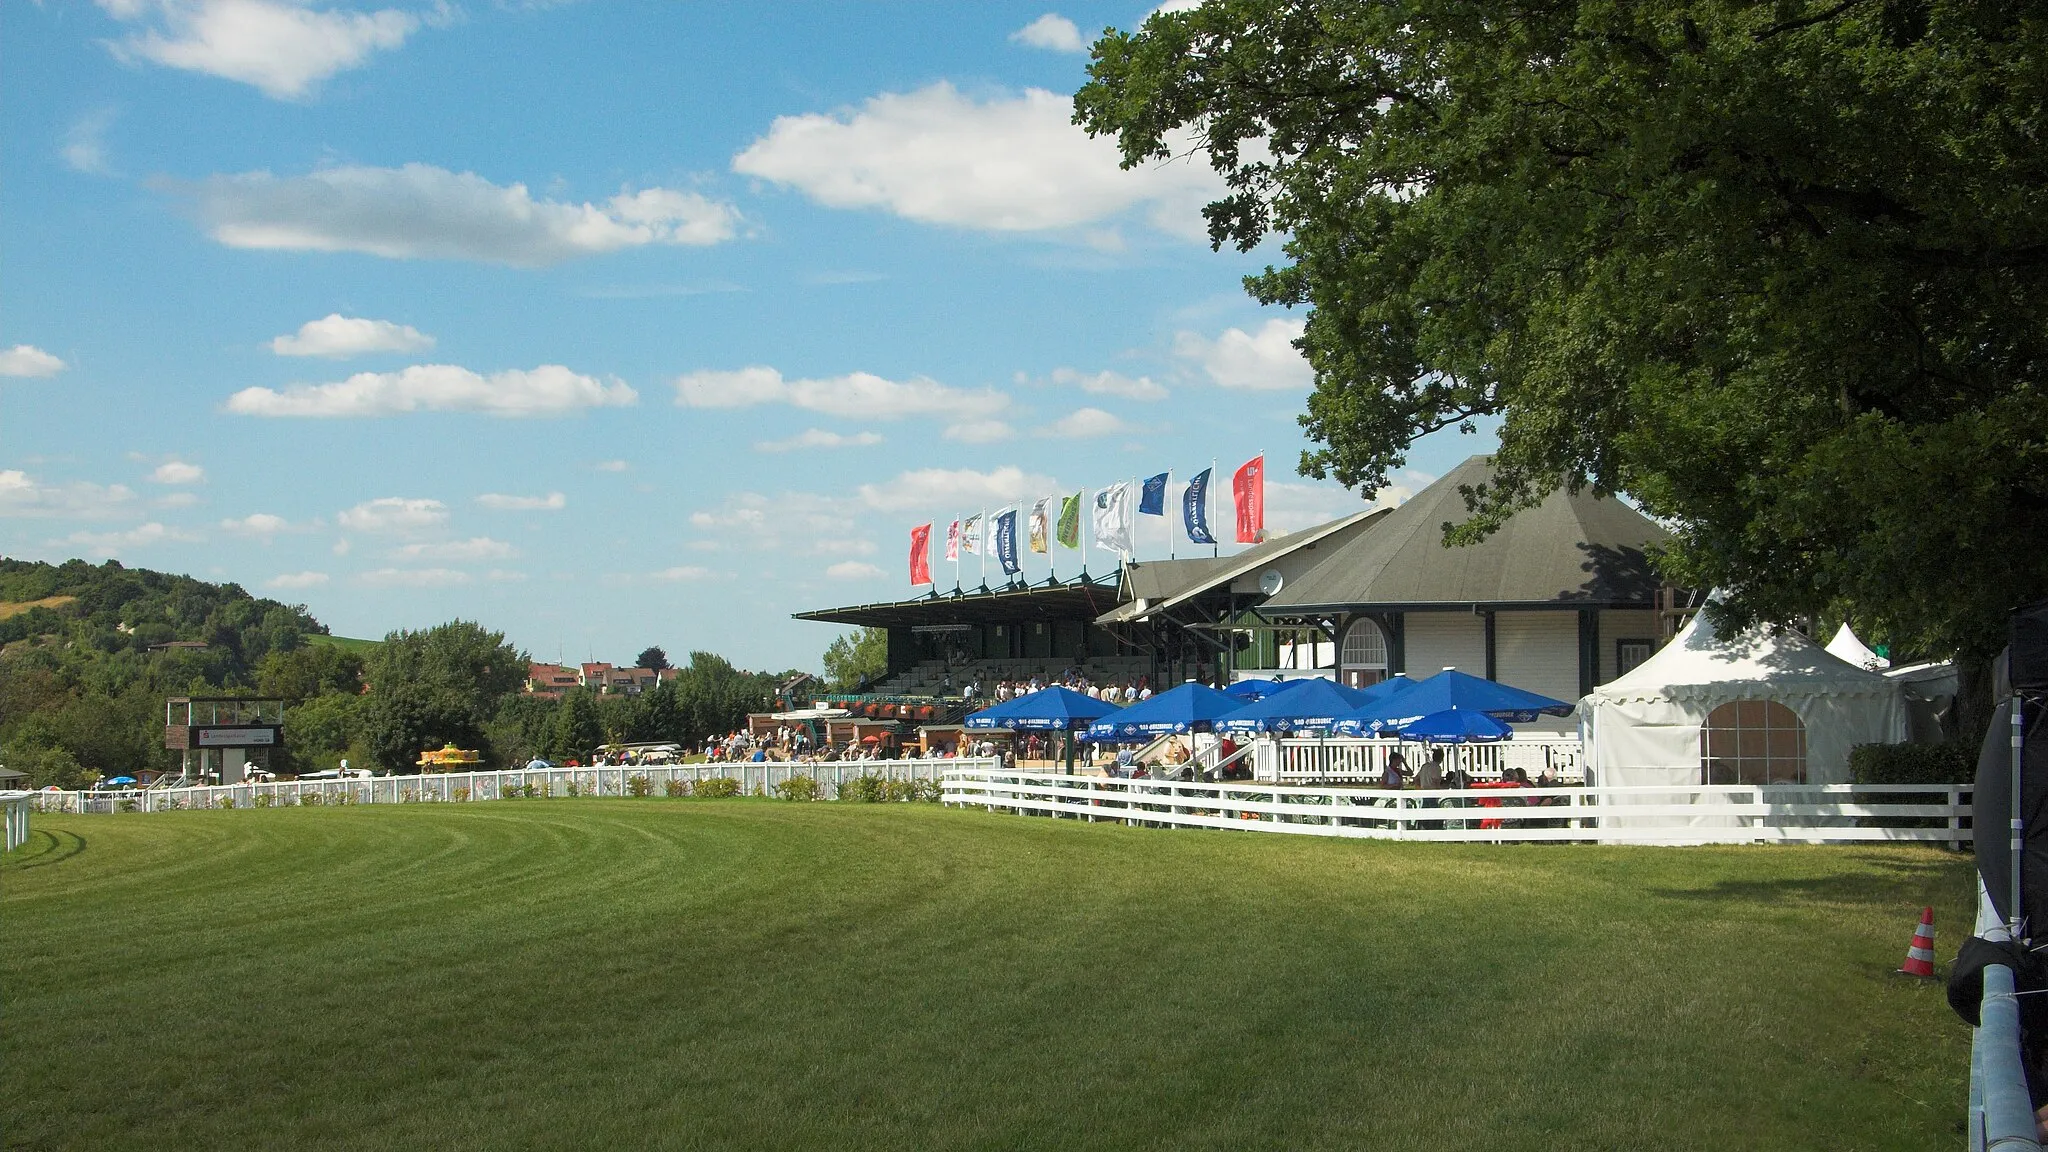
929,677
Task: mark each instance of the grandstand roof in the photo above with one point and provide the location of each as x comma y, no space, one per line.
1072,600
1181,584
1573,548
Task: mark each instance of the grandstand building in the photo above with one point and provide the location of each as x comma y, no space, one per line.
1560,599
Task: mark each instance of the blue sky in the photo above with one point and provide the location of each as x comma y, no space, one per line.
604,324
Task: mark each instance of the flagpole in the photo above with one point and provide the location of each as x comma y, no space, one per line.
1165,502
1052,541
981,526
1081,530
1208,507
956,552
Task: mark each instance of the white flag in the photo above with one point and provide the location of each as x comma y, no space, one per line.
1113,518
970,535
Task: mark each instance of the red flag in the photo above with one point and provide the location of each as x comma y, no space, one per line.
1249,486
921,554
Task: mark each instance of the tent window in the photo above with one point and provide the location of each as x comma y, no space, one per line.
1753,742
1364,659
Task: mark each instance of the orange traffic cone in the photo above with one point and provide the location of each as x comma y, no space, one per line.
1920,955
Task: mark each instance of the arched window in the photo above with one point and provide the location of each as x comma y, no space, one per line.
1363,660
1753,742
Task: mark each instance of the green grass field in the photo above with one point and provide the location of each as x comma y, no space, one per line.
348,643
754,974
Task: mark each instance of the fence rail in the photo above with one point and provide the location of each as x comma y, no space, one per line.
17,805
1653,815
456,787
1302,760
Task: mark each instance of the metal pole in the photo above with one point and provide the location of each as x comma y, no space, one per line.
2015,917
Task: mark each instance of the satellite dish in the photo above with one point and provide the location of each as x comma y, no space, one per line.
1270,581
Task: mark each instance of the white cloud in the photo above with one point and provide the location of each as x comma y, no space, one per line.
282,48
423,212
819,438
548,390
979,431
1265,360
683,572
852,570
932,488
341,547
611,465
1007,164
414,577
499,502
1052,32
29,360
85,144
175,500
394,514
177,472
337,337
257,524
1085,423
457,551
1105,383
856,395
23,495
115,543
1291,507
294,580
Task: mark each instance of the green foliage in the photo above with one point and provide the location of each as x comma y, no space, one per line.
673,788
1774,270
437,687
858,659
1951,763
864,790
716,788
576,726
651,657
637,785
798,788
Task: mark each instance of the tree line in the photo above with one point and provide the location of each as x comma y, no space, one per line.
89,653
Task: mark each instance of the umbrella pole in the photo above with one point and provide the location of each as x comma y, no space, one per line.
1070,752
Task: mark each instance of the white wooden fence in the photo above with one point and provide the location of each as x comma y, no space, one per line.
452,787
17,805
1658,815
1343,760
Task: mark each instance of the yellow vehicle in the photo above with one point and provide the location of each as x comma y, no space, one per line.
450,759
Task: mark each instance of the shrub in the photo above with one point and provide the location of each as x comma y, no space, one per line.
265,799
227,801
408,796
674,788
798,788
461,794
1951,763
575,789
864,790
309,799
345,796
929,791
638,786
899,791
126,805
718,788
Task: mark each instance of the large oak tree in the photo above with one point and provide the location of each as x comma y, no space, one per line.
1777,271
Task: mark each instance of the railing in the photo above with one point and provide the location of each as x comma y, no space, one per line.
455,787
1657,815
2001,1109
1338,760
17,805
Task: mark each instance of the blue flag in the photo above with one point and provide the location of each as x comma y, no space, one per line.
1152,501
1194,505
1006,541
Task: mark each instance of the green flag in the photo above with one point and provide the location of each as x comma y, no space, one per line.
1070,520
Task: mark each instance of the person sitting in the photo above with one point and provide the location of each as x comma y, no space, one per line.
1394,776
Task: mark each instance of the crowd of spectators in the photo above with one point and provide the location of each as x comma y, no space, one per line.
1127,691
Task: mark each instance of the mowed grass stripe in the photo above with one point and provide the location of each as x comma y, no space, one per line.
590,973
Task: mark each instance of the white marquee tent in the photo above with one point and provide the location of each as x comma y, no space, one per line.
1644,728
1850,647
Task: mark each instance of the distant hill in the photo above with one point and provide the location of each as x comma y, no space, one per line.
348,644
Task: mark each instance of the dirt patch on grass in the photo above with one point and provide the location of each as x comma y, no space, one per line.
17,607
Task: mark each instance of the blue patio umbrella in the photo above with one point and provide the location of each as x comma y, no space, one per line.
120,780
1456,726
1449,689
1245,691
1053,709
1187,708
1309,703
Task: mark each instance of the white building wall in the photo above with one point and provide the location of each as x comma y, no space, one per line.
1617,624
1439,640
1539,652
